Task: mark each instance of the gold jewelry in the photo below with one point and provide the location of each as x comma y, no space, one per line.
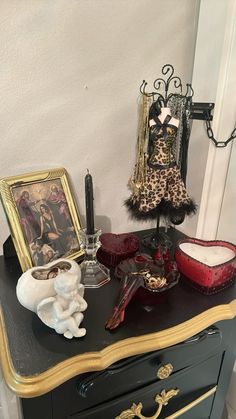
155,282
139,175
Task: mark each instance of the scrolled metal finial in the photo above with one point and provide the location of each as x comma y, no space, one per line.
142,89
155,95
158,82
164,84
167,68
189,92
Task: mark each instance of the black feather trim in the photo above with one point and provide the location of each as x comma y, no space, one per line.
165,209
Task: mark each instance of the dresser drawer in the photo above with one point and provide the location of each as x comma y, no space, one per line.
193,386
133,373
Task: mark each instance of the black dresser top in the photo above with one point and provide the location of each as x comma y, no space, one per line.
34,356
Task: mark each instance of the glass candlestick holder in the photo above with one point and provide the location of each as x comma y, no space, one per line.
93,273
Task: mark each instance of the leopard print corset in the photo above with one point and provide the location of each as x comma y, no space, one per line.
161,139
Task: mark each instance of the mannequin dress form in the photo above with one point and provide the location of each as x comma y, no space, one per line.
163,114
163,192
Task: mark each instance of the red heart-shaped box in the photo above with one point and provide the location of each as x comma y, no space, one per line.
117,247
210,266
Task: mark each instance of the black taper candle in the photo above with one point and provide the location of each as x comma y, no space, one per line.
89,203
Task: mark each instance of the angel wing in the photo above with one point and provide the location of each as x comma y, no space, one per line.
46,313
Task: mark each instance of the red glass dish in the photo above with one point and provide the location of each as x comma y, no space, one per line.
149,298
117,247
134,284
144,261
207,278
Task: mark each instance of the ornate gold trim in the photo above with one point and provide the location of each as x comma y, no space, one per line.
192,404
161,399
32,386
10,207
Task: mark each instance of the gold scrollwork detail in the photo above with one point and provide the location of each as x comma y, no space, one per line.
165,371
135,410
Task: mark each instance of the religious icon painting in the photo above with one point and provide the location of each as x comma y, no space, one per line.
42,217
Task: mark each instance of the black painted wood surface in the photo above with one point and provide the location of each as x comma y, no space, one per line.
191,383
35,348
131,374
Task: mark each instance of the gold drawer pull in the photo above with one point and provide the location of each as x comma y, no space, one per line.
165,371
135,410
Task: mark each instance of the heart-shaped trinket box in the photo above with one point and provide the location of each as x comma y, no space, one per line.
210,266
117,247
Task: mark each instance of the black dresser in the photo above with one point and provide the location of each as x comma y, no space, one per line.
171,360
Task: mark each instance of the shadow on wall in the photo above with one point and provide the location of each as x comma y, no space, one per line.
101,222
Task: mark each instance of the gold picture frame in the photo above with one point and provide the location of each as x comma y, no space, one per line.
42,216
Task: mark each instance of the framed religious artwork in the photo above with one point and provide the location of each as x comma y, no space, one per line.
42,216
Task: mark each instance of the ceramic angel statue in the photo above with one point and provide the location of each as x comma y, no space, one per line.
63,312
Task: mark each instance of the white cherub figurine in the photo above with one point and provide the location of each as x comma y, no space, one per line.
63,311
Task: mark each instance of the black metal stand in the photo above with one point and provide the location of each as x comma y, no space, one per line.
157,239
165,90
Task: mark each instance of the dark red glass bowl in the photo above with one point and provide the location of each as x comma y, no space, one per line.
117,247
150,298
144,295
135,283
207,279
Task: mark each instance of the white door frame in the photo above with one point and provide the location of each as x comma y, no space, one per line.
223,123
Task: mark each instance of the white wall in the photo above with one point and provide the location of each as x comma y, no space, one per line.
69,80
